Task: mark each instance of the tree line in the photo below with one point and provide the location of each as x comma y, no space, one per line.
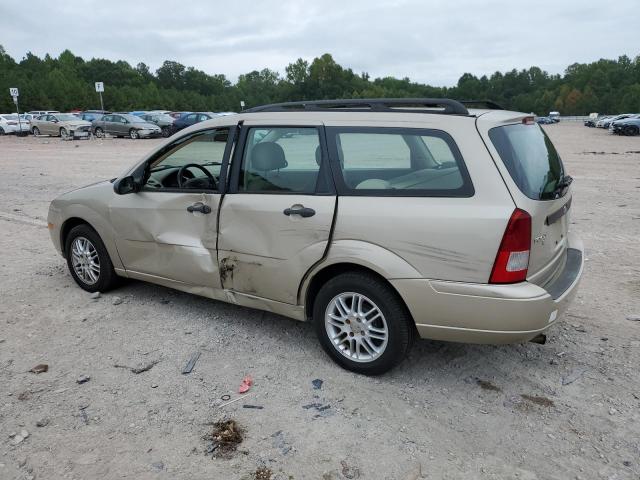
67,82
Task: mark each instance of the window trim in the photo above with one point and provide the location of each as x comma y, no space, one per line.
467,189
223,170
238,156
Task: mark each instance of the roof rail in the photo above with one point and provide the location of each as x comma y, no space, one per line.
490,104
407,105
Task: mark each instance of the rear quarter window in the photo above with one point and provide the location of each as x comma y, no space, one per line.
530,158
398,162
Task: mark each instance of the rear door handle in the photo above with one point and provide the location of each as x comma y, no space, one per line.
199,207
302,211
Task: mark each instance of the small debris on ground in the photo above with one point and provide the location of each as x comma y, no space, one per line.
317,384
537,400
159,466
95,295
191,363
138,370
26,395
43,422
633,318
280,443
487,385
573,376
348,471
20,437
257,407
263,473
117,300
247,381
83,414
83,379
226,436
40,368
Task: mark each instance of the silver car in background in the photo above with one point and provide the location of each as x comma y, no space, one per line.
125,125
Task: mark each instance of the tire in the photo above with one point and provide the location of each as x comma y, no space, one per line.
166,132
35,131
1,131
64,134
630,130
98,132
89,241
375,355
133,134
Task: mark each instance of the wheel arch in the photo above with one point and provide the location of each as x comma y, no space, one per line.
68,225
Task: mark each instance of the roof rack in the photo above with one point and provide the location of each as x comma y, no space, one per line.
408,105
491,105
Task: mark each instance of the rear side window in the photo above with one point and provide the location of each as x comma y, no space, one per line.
530,158
394,161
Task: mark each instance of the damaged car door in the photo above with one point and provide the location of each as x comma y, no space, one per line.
275,222
167,230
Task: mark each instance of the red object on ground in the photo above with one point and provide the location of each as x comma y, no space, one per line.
247,381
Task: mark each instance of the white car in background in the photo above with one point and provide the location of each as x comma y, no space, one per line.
9,124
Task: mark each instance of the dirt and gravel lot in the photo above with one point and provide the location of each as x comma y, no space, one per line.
565,410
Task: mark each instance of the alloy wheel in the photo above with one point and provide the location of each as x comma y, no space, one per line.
356,327
85,260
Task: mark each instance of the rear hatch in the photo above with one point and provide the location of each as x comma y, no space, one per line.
539,185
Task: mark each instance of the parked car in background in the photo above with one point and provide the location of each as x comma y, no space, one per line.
476,245
177,115
64,125
189,119
544,120
164,121
91,115
125,125
9,124
38,113
628,126
554,116
606,121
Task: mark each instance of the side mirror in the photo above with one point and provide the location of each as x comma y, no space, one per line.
125,185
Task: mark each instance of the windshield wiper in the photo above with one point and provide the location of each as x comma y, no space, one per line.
564,182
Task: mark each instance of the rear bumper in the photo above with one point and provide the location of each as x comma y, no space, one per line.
483,313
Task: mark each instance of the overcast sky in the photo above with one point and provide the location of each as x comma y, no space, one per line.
428,41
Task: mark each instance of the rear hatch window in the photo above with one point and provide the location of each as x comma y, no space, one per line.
530,158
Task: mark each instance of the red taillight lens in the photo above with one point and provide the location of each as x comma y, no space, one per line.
512,261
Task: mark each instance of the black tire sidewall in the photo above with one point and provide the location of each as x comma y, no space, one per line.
393,309
107,277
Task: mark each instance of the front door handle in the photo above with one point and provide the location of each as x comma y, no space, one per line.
199,207
302,211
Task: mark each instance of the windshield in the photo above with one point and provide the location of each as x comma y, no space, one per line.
66,117
530,158
10,117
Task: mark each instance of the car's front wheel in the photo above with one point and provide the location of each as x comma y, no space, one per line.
362,323
88,260
133,134
99,132
35,131
630,130
64,134
166,132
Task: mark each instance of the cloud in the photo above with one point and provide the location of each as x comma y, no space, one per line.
432,42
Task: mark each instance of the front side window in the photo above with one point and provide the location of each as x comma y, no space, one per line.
193,162
392,161
280,160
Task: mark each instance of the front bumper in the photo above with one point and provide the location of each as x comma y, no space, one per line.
484,313
150,133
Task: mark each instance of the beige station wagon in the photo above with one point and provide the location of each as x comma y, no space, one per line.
378,220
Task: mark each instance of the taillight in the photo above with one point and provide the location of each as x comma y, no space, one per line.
512,261
529,120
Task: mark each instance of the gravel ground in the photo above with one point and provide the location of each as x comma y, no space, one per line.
564,410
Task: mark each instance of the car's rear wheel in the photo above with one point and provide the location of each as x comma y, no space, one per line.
64,134
362,323
133,134
35,131
88,260
99,132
